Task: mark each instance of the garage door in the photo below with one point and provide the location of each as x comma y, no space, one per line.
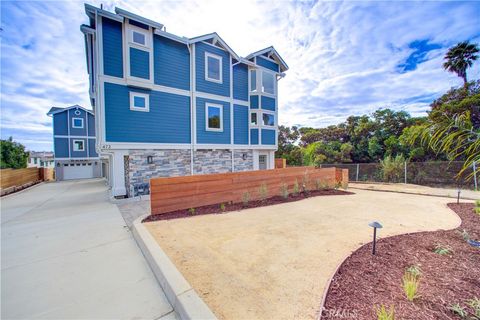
78,172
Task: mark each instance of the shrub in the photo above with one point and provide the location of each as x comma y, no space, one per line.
459,310
475,305
222,207
246,198
284,191
263,191
393,169
414,270
410,286
442,250
305,183
384,314
191,211
296,188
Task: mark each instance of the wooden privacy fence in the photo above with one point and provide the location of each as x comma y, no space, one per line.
280,163
14,179
177,193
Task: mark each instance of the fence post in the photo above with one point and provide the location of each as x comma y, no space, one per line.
358,167
405,172
475,175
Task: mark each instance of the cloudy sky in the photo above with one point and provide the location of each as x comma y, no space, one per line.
345,58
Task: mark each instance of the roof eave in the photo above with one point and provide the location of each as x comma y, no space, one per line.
133,16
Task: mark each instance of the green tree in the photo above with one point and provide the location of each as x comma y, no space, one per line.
13,154
461,57
375,150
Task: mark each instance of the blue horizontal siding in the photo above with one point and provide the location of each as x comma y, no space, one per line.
171,63
91,148
91,125
268,103
112,48
168,120
60,123
267,64
240,82
253,102
240,124
139,63
204,136
268,136
253,136
203,85
60,147
81,115
78,154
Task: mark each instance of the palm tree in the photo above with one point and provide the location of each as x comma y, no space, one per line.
461,57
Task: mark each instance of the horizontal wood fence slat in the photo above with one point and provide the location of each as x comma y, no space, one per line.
178,193
18,177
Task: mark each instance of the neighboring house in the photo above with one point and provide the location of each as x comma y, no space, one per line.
41,159
74,143
169,106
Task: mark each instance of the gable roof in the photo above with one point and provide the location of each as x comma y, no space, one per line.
54,110
216,38
271,52
133,16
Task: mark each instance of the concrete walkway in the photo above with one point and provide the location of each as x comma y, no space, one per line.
67,254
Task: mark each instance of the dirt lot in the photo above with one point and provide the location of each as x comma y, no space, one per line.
274,262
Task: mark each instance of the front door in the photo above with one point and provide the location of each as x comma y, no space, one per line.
262,162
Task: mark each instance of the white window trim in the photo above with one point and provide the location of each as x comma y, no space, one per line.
256,80
140,95
258,119
73,123
145,33
221,117
75,148
274,81
127,44
274,119
220,59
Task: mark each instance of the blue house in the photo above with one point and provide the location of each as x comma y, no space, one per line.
74,143
167,105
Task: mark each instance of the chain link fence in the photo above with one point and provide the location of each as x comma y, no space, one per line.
433,174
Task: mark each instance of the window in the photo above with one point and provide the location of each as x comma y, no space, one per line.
77,122
268,119
139,37
213,67
139,102
78,145
268,82
253,80
253,119
214,117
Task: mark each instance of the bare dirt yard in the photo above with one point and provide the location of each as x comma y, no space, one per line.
275,262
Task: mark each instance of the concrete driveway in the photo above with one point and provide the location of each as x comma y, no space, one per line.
67,254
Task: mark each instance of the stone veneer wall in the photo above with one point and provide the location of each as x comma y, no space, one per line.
166,163
239,163
212,161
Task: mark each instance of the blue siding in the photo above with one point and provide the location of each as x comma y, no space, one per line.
253,102
268,136
253,136
91,148
222,89
240,82
112,48
78,154
60,123
61,147
82,115
240,124
268,103
171,63
168,120
267,64
139,63
91,125
204,136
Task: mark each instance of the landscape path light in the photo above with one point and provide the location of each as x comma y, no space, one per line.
458,195
375,225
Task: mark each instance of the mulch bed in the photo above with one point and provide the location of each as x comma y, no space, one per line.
365,281
215,209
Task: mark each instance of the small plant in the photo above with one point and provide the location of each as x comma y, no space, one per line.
384,314
318,184
410,286
338,185
263,191
245,198
475,305
222,207
414,270
477,207
191,211
284,191
296,188
442,250
305,183
459,310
